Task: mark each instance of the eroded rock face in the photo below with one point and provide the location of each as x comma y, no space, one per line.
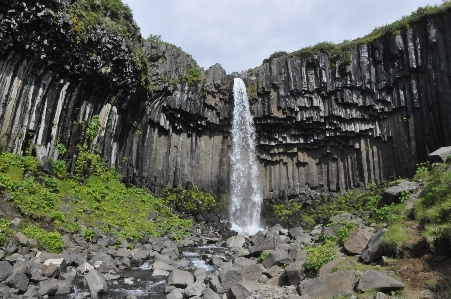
319,126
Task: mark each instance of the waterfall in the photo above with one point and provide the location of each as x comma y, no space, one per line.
245,197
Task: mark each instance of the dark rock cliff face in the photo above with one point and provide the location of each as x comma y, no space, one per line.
319,126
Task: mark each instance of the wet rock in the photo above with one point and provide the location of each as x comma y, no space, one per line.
180,279
96,283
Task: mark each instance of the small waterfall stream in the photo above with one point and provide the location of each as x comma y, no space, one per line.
245,196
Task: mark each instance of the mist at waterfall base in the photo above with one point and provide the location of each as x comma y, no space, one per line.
245,193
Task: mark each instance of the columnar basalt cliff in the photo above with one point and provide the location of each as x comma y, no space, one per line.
319,125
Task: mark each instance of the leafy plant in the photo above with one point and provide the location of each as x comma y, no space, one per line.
319,255
262,256
51,241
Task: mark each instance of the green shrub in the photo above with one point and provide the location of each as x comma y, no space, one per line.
193,201
262,256
50,241
319,255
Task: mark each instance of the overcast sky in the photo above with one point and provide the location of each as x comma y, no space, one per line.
239,34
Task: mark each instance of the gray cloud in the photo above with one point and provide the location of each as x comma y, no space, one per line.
239,34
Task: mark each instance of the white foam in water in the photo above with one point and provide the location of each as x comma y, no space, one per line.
245,197
146,266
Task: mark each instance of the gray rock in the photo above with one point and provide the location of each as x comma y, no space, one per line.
235,241
276,257
5,270
242,290
96,283
180,279
251,273
17,280
175,294
380,295
270,242
229,277
441,154
329,267
393,194
194,289
210,294
328,285
357,242
295,272
377,280
41,154
55,287
21,238
374,249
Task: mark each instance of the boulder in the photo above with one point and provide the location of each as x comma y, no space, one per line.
242,290
295,272
374,249
210,294
45,165
276,257
194,289
357,242
441,154
175,294
5,270
96,283
229,277
235,241
55,287
17,280
180,279
329,267
270,242
393,194
251,273
372,279
328,285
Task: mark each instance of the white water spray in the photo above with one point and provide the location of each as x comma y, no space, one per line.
245,197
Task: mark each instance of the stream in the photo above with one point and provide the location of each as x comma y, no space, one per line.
144,284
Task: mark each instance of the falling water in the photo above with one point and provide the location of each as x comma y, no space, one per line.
245,197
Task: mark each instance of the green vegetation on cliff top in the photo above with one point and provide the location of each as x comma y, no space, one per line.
341,53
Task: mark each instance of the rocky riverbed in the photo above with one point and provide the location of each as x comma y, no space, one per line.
207,264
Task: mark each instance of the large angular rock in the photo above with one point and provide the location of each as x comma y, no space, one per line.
48,287
251,273
194,289
235,241
328,285
270,242
276,257
295,272
5,270
210,294
180,279
374,249
441,154
393,194
371,280
242,290
17,280
41,154
229,277
357,241
96,283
